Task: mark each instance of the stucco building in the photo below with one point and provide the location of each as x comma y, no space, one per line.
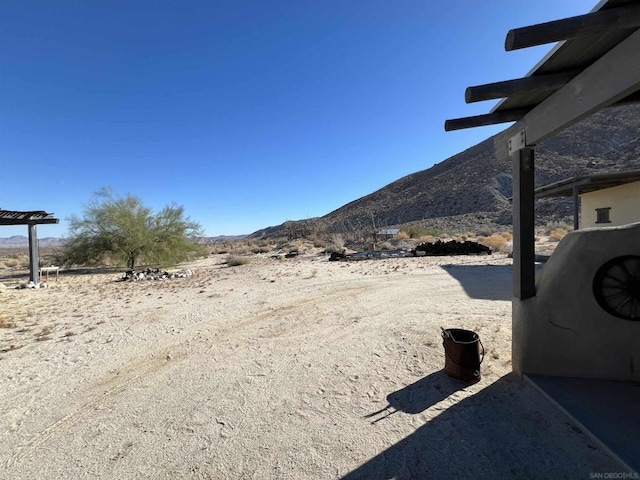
604,200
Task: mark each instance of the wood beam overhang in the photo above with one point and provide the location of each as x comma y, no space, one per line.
4,221
493,118
527,86
512,115
614,77
561,189
564,188
32,217
582,25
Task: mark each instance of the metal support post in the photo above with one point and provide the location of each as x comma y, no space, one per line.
576,207
524,281
34,257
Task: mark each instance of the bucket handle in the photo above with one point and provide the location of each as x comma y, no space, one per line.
446,334
476,373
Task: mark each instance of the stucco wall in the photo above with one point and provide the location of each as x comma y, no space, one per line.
562,330
624,201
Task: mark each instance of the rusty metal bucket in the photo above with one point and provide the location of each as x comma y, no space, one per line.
462,357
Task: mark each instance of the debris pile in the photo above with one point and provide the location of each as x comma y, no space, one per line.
452,247
153,274
337,256
438,248
31,284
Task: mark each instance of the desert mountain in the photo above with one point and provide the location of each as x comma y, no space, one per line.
21,241
472,189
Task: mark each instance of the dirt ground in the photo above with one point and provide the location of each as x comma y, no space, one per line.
295,368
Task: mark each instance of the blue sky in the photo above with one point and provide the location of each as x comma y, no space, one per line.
247,113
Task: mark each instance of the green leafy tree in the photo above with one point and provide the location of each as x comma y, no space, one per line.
123,230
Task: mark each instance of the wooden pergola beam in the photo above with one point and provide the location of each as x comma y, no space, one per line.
7,222
582,25
527,85
493,118
614,77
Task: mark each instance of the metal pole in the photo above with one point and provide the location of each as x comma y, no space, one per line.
34,257
576,207
524,279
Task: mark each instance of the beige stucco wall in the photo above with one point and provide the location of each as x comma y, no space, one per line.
624,201
562,330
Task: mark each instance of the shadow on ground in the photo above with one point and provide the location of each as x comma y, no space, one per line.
485,282
506,430
418,396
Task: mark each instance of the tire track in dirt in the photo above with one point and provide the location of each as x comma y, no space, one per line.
239,331
323,333
110,387
259,396
152,364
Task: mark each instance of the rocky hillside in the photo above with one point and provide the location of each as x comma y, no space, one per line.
472,189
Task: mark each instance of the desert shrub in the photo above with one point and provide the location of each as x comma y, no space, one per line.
317,241
260,249
218,248
554,225
337,239
386,246
495,242
418,231
436,232
6,323
507,236
11,262
484,232
332,248
427,238
402,235
240,249
557,234
236,260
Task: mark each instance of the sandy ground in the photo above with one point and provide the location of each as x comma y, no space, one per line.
295,368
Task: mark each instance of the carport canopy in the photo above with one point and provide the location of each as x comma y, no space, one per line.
31,219
576,186
586,184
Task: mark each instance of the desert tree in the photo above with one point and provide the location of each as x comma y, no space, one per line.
123,230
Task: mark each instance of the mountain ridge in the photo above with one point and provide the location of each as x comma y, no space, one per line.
472,189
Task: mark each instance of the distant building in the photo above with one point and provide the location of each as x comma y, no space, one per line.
605,200
387,233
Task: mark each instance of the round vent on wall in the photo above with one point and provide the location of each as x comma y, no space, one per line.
616,287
